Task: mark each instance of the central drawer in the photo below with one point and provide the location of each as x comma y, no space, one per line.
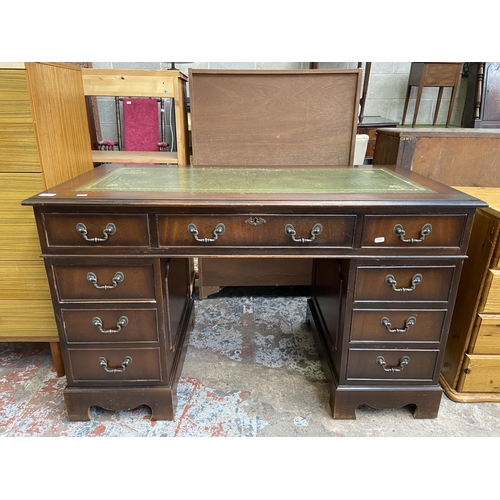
114,366
256,230
109,325
403,283
104,282
397,325
373,365
74,230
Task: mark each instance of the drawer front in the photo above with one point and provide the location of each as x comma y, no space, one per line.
405,284
257,230
480,374
488,335
96,230
418,231
491,303
79,282
90,365
397,325
368,364
109,325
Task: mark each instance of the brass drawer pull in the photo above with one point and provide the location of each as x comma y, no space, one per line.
390,281
219,229
122,321
117,278
108,230
409,323
404,361
127,361
290,231
399,231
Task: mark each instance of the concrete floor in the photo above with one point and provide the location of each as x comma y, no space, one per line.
251,369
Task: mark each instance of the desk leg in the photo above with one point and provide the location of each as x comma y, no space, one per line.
438,104
417,105
407,100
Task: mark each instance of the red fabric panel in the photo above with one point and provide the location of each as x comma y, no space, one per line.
140,124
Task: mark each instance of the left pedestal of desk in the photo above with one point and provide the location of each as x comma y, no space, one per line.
123,314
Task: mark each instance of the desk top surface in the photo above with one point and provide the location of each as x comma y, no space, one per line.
215,185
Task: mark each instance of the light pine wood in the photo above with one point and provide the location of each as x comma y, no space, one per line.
474,341
480,374
12,65
130,82
491,303
134,157
488,335
468,397
169,84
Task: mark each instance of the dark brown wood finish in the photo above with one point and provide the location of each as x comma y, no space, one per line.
353,257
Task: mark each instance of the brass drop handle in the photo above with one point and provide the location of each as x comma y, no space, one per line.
409,323
127,361
108,230
117,278
122,321
390,281
404,361
219,229
290,231
399,231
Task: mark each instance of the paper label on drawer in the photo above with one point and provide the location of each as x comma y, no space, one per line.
47,194
380,239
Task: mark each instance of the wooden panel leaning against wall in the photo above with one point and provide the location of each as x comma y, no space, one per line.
44,140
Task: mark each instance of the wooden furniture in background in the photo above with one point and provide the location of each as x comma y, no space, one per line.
456,157
432,74
387,248
471,370
482,101
299,117
168,84
368,125
44,140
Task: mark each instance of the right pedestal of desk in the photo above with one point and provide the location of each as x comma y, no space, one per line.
471,368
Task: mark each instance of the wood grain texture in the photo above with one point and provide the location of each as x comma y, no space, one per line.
480,374
273,117
134,157
60,116
488,335
130,82
23,280
35,323
491,300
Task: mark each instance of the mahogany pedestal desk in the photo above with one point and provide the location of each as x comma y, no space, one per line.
387,249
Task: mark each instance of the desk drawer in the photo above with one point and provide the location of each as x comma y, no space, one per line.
122,282
491,293
480,374
257,230
131,365
488,334
367,364
397,325
404,284
109,325
431,230
69,230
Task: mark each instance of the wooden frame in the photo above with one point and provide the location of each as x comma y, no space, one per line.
142,83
